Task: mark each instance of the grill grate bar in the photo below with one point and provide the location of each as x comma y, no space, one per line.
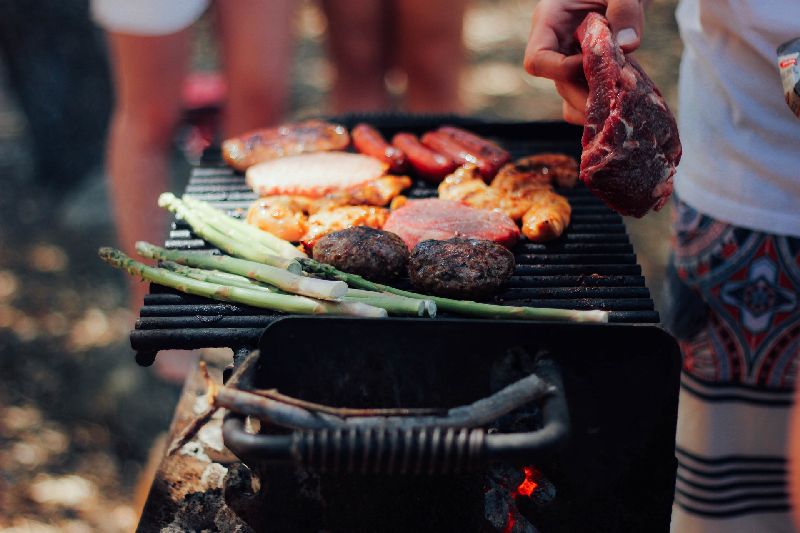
576,281
577,259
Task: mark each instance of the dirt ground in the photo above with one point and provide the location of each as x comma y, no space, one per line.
77,416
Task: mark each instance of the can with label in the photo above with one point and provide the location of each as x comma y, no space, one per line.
789,63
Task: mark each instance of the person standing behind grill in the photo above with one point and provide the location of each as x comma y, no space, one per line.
735,272
369,40
149,43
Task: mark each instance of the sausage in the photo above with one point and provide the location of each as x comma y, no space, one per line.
540,170
428,163
244,151
369,141
494,155
442,143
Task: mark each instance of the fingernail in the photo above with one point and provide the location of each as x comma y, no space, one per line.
626,36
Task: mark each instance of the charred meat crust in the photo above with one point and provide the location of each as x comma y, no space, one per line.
374,254
460,268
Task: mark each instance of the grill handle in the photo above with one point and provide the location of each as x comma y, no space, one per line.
389,450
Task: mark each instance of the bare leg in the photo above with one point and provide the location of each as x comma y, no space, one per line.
257,44
430,50
148,72
357,48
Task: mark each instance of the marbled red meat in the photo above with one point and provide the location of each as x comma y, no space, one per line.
630,139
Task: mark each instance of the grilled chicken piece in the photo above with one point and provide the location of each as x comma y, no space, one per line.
545,214
378,192
547,217
398,202
286,215
465,185
541,170
294,138
283,216
338,218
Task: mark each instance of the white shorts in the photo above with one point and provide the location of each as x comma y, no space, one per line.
147,17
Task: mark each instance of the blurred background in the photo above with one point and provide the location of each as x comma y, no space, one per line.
78,417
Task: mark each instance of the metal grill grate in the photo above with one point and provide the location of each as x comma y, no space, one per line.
593,266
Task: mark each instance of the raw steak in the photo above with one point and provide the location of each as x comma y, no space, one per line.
630,139
440,220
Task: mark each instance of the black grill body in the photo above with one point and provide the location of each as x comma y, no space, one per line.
617,470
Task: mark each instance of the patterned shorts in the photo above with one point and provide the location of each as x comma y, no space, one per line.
749,282
736,314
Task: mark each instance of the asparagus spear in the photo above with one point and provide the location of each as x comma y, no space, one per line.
241,230
257,298
463,307
217,276
395,305
240,248
284,280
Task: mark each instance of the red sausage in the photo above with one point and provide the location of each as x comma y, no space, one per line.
428,163
494,155
442,143
369,141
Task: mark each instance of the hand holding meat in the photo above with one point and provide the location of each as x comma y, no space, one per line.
553,52
630,140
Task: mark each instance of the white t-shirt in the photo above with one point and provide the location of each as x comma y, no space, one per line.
741,142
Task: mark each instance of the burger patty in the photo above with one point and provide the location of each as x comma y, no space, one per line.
371,253
460,268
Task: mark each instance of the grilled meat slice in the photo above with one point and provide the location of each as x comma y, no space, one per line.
314,175
460,268
466,185
338,218
294,138
419,220
545,214
371,253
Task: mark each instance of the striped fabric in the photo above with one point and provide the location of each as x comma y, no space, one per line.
739,371
732,470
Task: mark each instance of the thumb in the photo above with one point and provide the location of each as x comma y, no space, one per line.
626,18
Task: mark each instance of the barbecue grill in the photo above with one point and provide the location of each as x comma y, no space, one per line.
593,266
620,380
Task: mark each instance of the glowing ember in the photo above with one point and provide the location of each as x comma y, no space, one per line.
510,522
527,487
